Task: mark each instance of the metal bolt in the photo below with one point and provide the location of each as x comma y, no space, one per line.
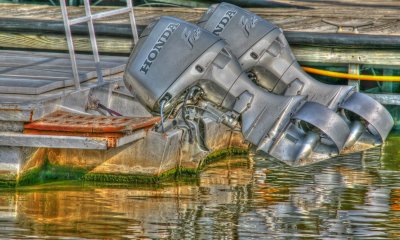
199,68
254,55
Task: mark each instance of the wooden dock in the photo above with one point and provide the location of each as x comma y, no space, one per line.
35,73
40,28
309,15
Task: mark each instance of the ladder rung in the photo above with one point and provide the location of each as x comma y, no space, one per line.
100,15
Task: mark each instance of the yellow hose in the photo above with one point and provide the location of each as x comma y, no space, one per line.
352,76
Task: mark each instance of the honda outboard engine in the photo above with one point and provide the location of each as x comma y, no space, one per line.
263,51
174,57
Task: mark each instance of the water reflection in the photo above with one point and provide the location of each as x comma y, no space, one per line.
353,196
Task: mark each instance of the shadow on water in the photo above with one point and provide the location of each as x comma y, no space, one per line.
352,196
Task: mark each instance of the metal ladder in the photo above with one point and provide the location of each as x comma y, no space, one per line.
89,19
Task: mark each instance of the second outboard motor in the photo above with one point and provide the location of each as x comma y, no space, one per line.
173,56
262,49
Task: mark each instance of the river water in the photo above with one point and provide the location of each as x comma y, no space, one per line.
355,196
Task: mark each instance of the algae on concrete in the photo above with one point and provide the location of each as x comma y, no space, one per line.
48,172
178,173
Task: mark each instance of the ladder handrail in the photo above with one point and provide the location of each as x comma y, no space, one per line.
89,19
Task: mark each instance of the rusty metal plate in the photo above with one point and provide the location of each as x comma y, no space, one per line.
88,125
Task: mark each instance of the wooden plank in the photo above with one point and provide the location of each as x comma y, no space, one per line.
46,55
25,83
29,87
35,73
345,56
61,65
313,54
309,17
52,42
14,139
28,108
14,114
25,140
31,78
57,27
343,40
384,15
45,86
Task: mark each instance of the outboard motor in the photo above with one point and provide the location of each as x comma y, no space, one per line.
173,57
263,51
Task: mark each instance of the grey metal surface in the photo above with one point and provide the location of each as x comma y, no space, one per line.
70,43
263,50
327,121
151,60
203,64
377,116
93,41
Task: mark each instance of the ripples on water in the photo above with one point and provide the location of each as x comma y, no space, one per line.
352,196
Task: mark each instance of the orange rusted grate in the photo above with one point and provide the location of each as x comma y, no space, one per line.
73,124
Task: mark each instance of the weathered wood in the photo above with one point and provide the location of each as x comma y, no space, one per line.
114,36
365,41
384,16
47,82
37,73
41,32
19,139
57,56
345,56
311,54
54,42
57,27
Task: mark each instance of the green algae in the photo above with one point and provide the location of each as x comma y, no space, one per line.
218,155
7,180
49,173
391,153
176,174
54,173
173,174
7,183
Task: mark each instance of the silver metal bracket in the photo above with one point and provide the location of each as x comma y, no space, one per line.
243,102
